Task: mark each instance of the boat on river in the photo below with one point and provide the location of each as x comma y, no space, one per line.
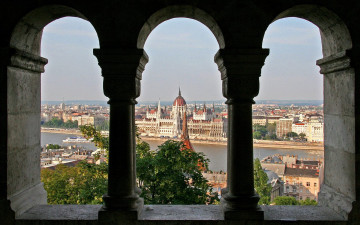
77,140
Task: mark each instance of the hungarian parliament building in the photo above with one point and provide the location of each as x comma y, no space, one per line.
202,123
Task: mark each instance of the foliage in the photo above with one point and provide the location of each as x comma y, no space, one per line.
302,136
59,123
267,132
307,201
257,135
171,175
259,131
100,141
104,125
83,184
285,200
262,187
53,146
291,134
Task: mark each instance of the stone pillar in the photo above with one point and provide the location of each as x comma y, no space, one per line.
122,71
6,213
338,190
240,71
24,187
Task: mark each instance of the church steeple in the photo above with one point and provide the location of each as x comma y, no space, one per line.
179,91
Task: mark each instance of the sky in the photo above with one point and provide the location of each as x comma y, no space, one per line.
181,54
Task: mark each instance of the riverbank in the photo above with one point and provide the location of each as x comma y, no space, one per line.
61,131
257,143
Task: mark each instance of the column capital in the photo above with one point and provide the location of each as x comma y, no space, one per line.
122,71
22,60
122,62
336,62
240,62
240,71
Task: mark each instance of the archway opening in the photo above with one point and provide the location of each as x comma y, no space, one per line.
24,186
181,100
339,107
288,116
72,97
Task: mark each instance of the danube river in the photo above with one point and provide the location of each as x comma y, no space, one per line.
216,153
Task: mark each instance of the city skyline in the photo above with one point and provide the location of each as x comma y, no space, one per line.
181,54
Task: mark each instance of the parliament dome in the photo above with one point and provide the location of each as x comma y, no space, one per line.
179,100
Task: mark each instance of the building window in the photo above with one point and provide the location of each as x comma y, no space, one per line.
308,184
315,184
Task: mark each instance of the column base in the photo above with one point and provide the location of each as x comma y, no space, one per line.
117,215
28,198
241,208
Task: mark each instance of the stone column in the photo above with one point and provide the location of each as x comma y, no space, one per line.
338,191
122,71
23,91
240,71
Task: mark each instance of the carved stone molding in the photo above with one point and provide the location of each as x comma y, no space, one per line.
240,62
27,61
240,71
122,71
334,63
122,62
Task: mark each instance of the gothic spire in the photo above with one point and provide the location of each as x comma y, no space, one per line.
185,134
179,91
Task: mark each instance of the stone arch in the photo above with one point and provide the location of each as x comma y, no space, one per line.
335,36
24,187
26,35
180,11
338,191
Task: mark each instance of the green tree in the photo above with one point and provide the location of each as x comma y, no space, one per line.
302,136
100,141
271,129
83,184
167,176
285,200
291,134
172,175
104,125
257,135
59,123
53,146
262,187
259,131
307,201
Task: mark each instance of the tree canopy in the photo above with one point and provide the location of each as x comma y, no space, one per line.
172,175
83,184
287,200
262,187
59,123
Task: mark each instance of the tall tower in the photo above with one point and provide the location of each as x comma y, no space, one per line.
185,134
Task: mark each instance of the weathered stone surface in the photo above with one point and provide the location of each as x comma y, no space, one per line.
339,96
25,200
125,25
338,163
335,125
24,91
176,214
332,199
